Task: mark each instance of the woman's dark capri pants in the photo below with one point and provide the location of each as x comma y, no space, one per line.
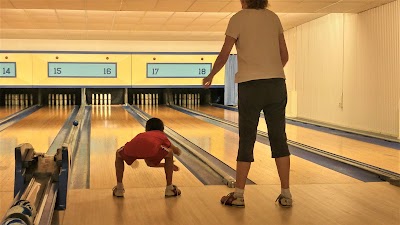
270,96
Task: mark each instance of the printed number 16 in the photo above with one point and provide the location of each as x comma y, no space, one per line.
107,70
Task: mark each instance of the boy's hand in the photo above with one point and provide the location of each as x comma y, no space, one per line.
166,149
172,149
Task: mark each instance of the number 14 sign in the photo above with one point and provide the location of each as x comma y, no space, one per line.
8,69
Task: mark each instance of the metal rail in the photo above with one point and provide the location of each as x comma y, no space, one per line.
390,176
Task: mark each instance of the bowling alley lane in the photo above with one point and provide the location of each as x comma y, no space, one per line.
111,128
223,144
376,155
39,129
9,110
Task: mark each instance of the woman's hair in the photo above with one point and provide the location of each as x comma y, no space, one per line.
154,124
256,4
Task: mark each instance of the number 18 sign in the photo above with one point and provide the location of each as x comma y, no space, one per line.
178,70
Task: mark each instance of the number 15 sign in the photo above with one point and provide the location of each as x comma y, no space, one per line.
80,69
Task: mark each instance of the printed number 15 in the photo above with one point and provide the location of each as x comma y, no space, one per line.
57,70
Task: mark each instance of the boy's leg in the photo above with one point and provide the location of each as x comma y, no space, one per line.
171,190
118,190
119,167
169,168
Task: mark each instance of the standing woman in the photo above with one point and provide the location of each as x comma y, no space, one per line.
262,54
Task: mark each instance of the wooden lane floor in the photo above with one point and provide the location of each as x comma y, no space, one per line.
9,110
314,204
39,129
223,144
376,155
111,128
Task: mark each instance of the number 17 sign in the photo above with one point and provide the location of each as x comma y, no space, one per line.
178,70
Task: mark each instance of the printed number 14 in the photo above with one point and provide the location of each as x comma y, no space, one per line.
6,71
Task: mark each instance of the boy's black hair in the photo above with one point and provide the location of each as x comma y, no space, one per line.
154,124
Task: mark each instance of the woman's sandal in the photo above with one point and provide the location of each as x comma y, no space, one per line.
230,200
284,202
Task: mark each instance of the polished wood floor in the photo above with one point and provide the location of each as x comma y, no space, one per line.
8,110
314,204
372,154
321,196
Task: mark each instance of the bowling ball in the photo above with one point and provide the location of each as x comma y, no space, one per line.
27,204
14,221
20,212
75,123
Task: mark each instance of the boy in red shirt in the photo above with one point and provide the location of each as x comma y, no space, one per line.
152,146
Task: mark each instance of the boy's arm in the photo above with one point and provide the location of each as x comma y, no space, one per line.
176,168
173,149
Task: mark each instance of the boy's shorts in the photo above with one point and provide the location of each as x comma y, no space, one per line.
154,160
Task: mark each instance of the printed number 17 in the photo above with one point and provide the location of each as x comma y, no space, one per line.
155,71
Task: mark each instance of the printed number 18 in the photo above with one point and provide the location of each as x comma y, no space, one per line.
202,71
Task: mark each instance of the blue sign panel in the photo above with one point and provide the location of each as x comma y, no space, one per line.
178,70
77,69
8,69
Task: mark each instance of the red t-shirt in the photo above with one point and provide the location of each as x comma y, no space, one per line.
146,145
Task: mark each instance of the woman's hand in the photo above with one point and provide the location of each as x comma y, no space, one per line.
207,81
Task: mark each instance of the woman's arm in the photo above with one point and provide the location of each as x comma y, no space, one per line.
283,49
220,61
